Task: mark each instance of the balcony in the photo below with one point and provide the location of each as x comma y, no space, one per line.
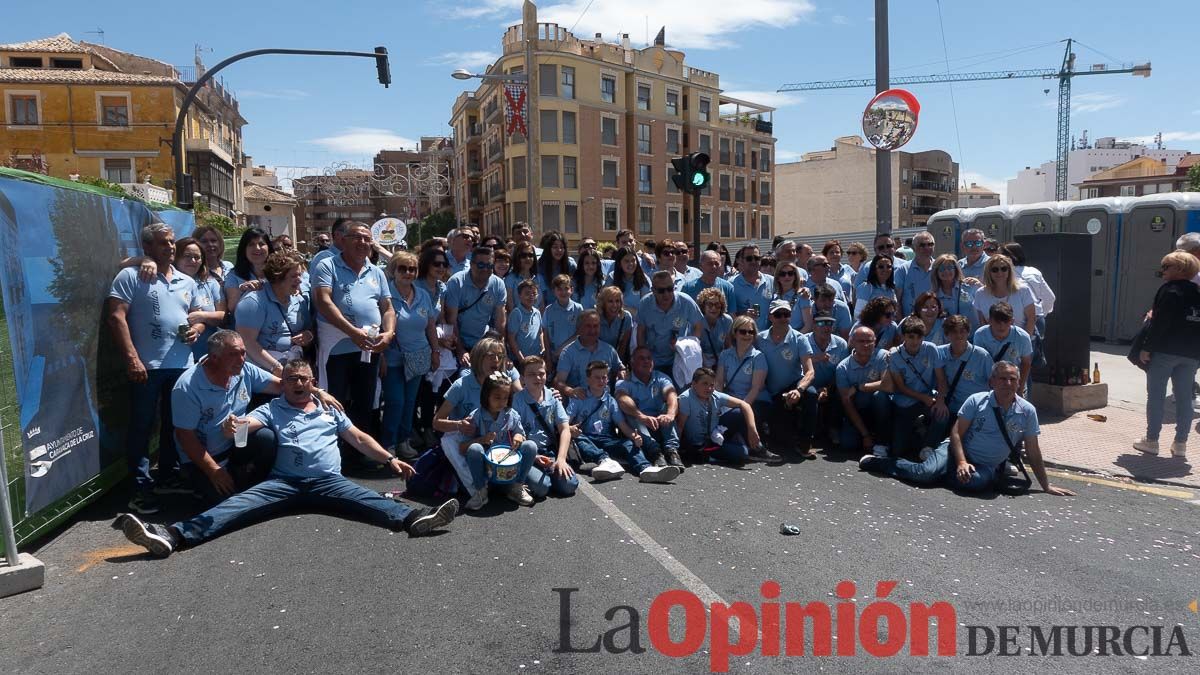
925,210
933,186
222,151
495,151
495,194
491,111
474,170
764,127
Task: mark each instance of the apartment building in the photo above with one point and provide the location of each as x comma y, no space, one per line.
605,120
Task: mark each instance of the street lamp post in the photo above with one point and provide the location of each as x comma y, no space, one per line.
883,158
183,181
520,78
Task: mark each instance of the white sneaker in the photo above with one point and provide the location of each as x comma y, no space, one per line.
880,451
1179,449
520,494
925,453
607,470
659,474
477,500
1147,446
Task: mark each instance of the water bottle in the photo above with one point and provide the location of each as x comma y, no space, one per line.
718,435
373,334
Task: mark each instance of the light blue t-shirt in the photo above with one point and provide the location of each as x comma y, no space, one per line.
1019,344
208,294
841,315
505,425
276,325
356,294
156,310
331,252
561,322
865,293
575,358
412,322
712,338
596,416
611,331
663,327
917,371
850,373
511,281
973,270
826,369
912,281
784,359
463,394
650,396
526,324
585,295
307,441
457,265
701,417
798,302
835,284
551,412
693,287
200,406
975,373
758,295
984,444
740,372
476,306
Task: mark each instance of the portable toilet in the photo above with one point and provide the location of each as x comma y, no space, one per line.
1149,228
947,227
1037,218
995,221
1101,218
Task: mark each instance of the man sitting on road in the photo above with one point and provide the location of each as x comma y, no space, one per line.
864,402
308,472
978,444
648,400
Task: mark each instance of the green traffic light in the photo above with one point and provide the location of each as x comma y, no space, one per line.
698,179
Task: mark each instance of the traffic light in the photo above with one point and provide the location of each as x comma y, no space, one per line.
691,172
382,66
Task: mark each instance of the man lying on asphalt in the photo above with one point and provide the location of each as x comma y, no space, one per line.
307,473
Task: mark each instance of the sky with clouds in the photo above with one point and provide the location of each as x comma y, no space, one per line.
312,112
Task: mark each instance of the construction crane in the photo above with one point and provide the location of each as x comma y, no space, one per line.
1064,74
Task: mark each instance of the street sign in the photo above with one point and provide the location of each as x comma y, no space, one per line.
389,231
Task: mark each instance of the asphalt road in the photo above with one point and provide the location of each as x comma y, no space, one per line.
317,593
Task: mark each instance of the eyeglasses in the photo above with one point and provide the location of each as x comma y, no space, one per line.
588,244
947,268
406,269
785,273
297,379
439,263
752,258
668,251
483,266
744,331
929,308
781,314
663,290
1000,269
973,244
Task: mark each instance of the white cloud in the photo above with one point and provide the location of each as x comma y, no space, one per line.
1167,137
364,141
783,156
773,99
274,94
1088,103
998,185
840,20
700,24
474,60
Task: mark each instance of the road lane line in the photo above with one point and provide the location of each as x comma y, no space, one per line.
677,569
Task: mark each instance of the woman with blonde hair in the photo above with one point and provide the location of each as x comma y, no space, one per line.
1001,284
717,326
616,322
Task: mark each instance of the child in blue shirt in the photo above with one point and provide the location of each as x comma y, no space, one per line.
714,424
495,422
526,333
562,315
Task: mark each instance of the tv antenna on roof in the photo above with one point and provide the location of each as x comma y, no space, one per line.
98,31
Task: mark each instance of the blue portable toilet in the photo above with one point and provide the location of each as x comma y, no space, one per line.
1149,228
994,221
1100,218
1036,218
947,227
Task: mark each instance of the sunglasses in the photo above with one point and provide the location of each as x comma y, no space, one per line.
297,379
785,273
928,244
825,323
885,247
1000,269
948,268
664,290
440,263
883,267
782,314
889,314
667,251
914,334
752,258
973,244
743,331
407,269
483,266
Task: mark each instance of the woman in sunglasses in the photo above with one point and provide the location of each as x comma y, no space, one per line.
928,309
412,353
742,368
953,289
524,266
1000,284
879,283
432,266
787,288
880,316
717,328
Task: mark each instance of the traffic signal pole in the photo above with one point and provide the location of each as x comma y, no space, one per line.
696,227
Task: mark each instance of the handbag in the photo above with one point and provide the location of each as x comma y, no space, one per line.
1005,485
1138,345
433,477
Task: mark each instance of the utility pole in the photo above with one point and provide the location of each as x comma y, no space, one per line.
529,26
883,158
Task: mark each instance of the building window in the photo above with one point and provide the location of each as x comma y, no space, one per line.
568,127
904,175
645,186
739,224
518,173
643,97
25,62
673,103
67,64
673,226
739,189
118,170
705,221
645,220
725,232
643,138
739,153
673,141
571,218
904,201
764,160
549,216
608,173
23,110
1128,191
764,228
519,212
706,144
569,173
724,193
612,219
547,79
671,186
114,110
568,82
705,109
724,156
608,131
550,172
608,89
1165,187
764,193
548,121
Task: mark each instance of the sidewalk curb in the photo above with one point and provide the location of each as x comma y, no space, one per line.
1117,476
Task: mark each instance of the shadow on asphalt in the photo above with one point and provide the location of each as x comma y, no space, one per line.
1146,467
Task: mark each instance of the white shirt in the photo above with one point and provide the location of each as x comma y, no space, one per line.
1043,295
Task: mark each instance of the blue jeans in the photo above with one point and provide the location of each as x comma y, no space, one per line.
904,433
399,406
875,410
475,460
276,494
247,466
155,392
620,449
791,427
936,467
1181,371
542,483
734,449
654,443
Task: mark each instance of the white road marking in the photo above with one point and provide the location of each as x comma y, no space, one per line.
677,569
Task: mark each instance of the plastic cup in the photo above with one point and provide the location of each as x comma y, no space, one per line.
241,433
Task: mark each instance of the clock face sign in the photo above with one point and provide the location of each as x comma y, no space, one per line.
1093,226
